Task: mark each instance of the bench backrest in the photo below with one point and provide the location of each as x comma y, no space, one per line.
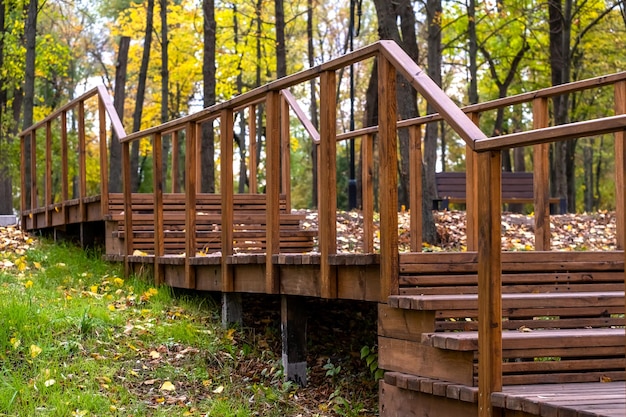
515,185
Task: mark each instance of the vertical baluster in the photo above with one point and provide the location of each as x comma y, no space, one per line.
471,188
104,160
252,160
541,178
620,108
64,167
48,177
416,188
327,200
191,162
82,162
272,191
175,165
159,234
285,147
367,192
227,191
128,206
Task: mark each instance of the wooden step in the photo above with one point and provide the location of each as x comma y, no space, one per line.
536,339
546,301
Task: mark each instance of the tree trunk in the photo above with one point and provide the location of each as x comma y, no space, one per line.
434,62
473,52
30,35
208,74
141,91
241,138
559,65
313,107
281,48
588,170
6,179
119,97
165,85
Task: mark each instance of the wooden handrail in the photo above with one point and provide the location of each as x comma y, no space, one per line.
100,90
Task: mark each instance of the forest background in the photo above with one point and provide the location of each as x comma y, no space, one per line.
164,59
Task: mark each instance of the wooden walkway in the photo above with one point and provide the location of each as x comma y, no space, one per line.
479,332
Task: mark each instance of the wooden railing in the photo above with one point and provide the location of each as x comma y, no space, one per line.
60,124
483,167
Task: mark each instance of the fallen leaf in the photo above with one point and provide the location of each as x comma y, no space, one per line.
35,351
218,390
168,386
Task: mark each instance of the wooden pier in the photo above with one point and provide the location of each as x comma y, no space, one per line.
480,332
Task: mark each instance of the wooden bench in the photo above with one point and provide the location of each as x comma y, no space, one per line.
563,316
517,188
249,224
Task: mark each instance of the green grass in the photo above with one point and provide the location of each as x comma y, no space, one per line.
78,339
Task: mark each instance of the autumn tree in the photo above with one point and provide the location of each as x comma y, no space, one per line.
406,37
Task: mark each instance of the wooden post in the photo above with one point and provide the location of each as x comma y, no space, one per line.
82,162
471,187
128,206
175,164
620,170
48,179
285,147
388,149
252,161
327,200
620,108
104,160
541,177
157,188
64,167
23,202
198,173
293,330
489,206
190,203
272,191
226,187
416,188
367,192
34,203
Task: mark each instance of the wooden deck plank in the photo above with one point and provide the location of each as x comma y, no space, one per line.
509,300
467,341
579,400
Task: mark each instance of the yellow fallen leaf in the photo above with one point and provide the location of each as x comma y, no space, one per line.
160,400
94,288
15,342
111,307
35,351
154,354
28,284
168,386
218,390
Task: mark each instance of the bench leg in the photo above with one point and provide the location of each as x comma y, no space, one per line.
232,311
293,330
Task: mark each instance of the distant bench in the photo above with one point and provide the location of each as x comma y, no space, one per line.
563,315
517,188
249,224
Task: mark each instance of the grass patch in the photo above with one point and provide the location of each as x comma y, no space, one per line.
79,339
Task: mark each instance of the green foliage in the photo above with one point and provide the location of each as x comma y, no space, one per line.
370,356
